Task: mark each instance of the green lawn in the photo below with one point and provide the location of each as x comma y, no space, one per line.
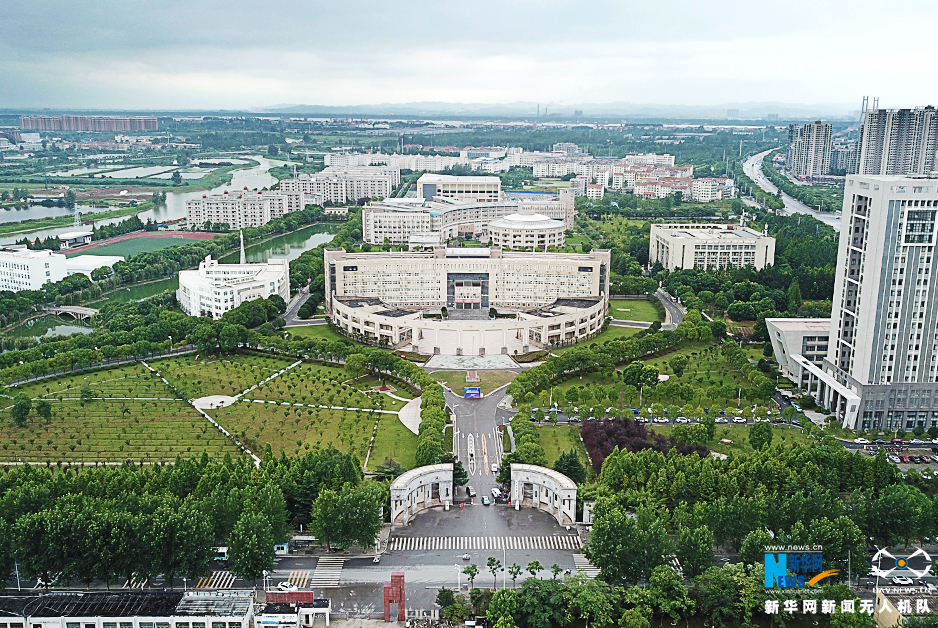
739,434
132,380
557,439
315,331
198,376
611,333
456,380
133,246
393,441
638,310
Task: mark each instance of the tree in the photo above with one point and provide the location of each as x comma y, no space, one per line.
270,502
716,595
569,464
273,150
542,603
592,599
480,600
634,618
70,199
752,550
678,363
572,395
514,571
534,567
760,435
471,571
694,550
445,597
22,405
624,551
176,178
494,565
458,610
709,422
667,592
349,517
504,604
794,297
356,365
555,570
44,409
251,546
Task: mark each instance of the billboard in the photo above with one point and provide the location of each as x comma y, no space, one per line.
472,392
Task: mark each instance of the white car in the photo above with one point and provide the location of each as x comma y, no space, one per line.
721,419
661,419
916,441
682,419
902,581
496,493
494,467
738,419
861,441
286,586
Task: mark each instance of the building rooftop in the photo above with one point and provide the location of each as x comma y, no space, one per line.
91,262
708,232
526,221
71,235
358,302
449,178
801,324
92,604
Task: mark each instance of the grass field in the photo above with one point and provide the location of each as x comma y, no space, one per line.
393,441
315,331
611,333
308,383
133,246
557,439
739,434
197,376
638,310
132,380
456,380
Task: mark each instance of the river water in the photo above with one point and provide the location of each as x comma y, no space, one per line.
49,326
253,178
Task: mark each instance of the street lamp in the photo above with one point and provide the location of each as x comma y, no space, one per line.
458,577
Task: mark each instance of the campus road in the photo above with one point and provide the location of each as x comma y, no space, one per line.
675,313
753,169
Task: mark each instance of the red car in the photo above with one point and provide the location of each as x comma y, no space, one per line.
904,459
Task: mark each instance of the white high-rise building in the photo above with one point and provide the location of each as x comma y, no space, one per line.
23,269
809,149
898,142
881,369
343,185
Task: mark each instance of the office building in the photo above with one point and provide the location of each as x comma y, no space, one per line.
898,141
807,338
882,360
686,246
89,123
245,208
526,232
543,299
809,149
417,221
567,148
129,609
215,288
338,185
23,269
465,189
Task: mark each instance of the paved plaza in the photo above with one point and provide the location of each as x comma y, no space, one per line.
471,363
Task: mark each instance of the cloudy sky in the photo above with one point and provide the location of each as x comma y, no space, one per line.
149,54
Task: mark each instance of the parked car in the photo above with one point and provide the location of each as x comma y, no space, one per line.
904,459
470,491
485,500
902,581
661,419
683,419
796,407
494,467
916,441
861,441
738,419
496,493
721,419
934,457
879,441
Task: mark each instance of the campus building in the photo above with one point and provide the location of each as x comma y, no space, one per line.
418,221
686,246
129,609
23,269
242,209
898,141
881,367
542,299
215,288
465,189
796,340
526,231
339,185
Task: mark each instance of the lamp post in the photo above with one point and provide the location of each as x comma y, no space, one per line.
458,578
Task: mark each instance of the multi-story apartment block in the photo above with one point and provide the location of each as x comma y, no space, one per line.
89,123
844,158
342,185
686,246
245,208
898,142
809,149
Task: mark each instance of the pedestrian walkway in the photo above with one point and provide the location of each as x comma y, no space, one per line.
328,571
313,405
299,578
462,543
218,580
584,566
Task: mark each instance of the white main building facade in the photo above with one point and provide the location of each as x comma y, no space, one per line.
215,288
543,299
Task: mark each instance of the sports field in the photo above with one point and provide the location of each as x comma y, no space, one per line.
135,243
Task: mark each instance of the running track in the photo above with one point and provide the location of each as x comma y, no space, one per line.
179,235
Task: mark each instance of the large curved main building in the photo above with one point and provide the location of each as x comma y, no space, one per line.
541,299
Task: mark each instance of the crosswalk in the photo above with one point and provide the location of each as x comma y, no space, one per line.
328,572
556,541
218,580
299,578
582,564
135,583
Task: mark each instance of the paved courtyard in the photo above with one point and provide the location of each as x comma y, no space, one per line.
471,363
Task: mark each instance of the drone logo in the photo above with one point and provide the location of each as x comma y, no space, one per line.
899,565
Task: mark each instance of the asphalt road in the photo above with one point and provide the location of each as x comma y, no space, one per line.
476,441
753,169
674,310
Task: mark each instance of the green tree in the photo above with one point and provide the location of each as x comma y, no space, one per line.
794,297
668,593
624,551
22,405
752,550
709,422
445,597
634,618
480,600
471,571
569,464
251,546
542,603
44,409
70,199
694,549
176,178
514,571
678,363
534,567
356,365
504,604
494,565
760,435
592,600
349,517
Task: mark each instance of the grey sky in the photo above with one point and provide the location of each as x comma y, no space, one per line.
141,54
